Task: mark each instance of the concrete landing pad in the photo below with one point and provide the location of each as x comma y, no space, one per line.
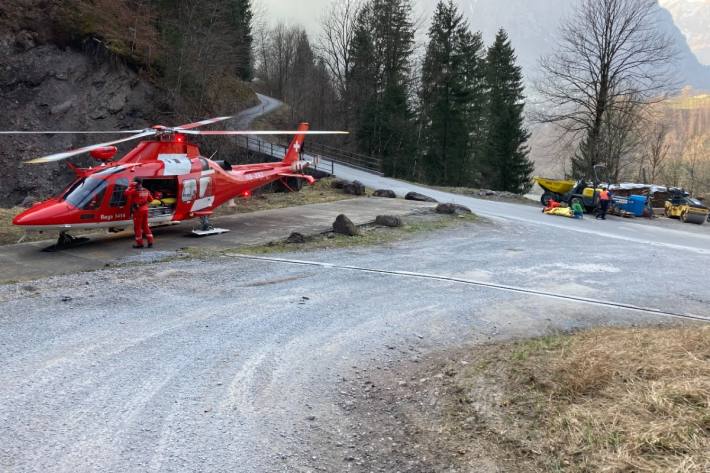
27,261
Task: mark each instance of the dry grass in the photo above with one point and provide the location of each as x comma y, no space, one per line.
614,400
320,192
499,197
10,234
370,235
279,119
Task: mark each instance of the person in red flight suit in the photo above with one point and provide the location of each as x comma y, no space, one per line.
139,198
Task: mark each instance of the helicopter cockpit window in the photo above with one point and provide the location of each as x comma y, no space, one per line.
87,194
118,196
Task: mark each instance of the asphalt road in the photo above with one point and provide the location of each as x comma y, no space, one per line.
266,105
686,237
240,365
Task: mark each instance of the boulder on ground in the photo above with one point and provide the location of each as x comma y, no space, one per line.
339,183
354,188
386,193
296,238
486,192
344,226
28,202
388,221
419,197
452,209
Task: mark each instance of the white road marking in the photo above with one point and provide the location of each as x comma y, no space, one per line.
488,285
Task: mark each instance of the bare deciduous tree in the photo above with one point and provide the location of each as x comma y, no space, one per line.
335,41
657,151
611,56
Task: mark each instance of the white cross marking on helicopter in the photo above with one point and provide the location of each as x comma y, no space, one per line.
296,147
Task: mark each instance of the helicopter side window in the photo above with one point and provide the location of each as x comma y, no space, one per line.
118,196
87,194
189,190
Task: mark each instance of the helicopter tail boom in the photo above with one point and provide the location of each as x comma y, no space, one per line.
294,150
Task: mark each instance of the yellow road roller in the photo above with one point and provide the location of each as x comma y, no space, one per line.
686,209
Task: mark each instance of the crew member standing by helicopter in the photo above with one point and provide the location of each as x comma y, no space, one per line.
139,198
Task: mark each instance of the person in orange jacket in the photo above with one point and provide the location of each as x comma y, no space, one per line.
139,199
604,201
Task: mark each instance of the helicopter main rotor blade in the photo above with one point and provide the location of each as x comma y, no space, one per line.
65,132
210,121
68,154
265,132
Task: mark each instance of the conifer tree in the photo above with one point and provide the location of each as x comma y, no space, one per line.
381,55
242,17
452,99
507,167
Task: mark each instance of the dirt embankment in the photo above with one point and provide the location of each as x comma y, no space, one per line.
606,400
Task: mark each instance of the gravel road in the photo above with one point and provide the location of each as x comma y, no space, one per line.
238,365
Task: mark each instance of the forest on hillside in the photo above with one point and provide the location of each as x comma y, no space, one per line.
452,112
452,116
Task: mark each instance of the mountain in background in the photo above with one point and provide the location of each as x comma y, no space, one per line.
693,19
533,26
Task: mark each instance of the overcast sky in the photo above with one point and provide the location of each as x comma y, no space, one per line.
298,12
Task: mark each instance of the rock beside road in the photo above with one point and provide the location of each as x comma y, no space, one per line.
344,226
354,188
452,209
386,193
419,197
338,183
296,238
388,221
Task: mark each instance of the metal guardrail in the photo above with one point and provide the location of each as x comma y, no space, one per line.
323,157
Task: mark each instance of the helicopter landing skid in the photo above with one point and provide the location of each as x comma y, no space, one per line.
65,242
206,228
213,231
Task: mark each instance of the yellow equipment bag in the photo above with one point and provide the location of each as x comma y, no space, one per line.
561,211
169,201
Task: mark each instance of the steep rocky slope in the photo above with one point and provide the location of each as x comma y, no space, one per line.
693,18
57,74
533,27
44,87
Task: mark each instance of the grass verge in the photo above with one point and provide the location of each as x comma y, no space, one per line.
498,197
371,235
319,193
616,400
10,234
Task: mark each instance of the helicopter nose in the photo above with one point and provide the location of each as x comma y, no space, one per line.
45,214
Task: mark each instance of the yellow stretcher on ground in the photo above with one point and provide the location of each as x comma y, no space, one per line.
561,212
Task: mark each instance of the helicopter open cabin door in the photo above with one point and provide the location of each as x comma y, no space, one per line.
205,198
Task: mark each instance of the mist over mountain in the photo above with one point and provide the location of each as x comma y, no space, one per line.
533,26
693,18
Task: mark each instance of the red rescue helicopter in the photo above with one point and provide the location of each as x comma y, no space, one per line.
188,184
